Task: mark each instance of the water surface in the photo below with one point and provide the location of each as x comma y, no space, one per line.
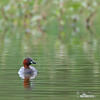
65,70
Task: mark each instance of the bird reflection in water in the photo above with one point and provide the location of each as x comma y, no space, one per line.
27,82
27,72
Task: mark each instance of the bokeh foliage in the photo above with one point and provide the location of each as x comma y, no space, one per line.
66,18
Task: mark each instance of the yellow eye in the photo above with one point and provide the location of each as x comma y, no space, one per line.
31,62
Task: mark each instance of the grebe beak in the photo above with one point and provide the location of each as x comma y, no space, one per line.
32,62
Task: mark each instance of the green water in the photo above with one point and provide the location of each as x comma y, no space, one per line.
65,70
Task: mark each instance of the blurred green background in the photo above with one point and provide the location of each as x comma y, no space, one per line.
62,36
65,18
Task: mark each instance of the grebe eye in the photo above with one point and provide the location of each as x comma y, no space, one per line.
31,62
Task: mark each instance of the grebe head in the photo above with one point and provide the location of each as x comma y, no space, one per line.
28,61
